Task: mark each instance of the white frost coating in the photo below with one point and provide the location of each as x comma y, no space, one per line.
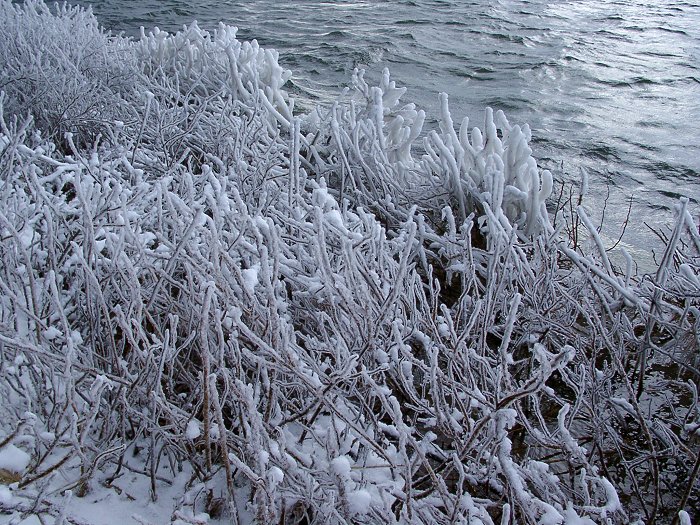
248,72
336,219
193,430
623,403
478,515
494,167
692,428
692,275
567,439
612,502
76,338
572,518
13,459
323,199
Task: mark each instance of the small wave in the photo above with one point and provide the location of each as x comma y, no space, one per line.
457,23
667,171
642,81
407,36
603,152
478,74
671,30
675,195
643,145
660,54
507,37
510,105
412,22
335,34
572,58
632,82
654,124
657,206
614,35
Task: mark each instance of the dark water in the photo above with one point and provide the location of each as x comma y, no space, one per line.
612,87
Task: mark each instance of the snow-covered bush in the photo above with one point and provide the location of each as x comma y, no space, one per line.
368,146
297,320
69,76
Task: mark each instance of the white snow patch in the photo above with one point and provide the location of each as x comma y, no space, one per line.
52,333
13,459
193,431
250,278
572,518
613,501
336,219
276,475
623,403
47,436
341,466
359,501
5,496
76,338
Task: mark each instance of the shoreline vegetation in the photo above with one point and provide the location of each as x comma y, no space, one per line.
214,309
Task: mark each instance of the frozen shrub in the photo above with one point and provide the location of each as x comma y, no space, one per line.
62,69
368,147
297,316
205,64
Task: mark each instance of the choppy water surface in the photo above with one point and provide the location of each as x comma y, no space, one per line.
612,87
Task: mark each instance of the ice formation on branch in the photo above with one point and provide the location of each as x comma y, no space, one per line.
299,312
490,173
217,64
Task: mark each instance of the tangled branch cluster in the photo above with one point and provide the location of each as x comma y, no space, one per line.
314,321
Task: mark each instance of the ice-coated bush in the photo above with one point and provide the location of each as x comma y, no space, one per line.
372,146
331,318
69,76
205,64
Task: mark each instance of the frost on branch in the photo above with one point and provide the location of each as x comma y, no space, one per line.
203,64
369,146
299,316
